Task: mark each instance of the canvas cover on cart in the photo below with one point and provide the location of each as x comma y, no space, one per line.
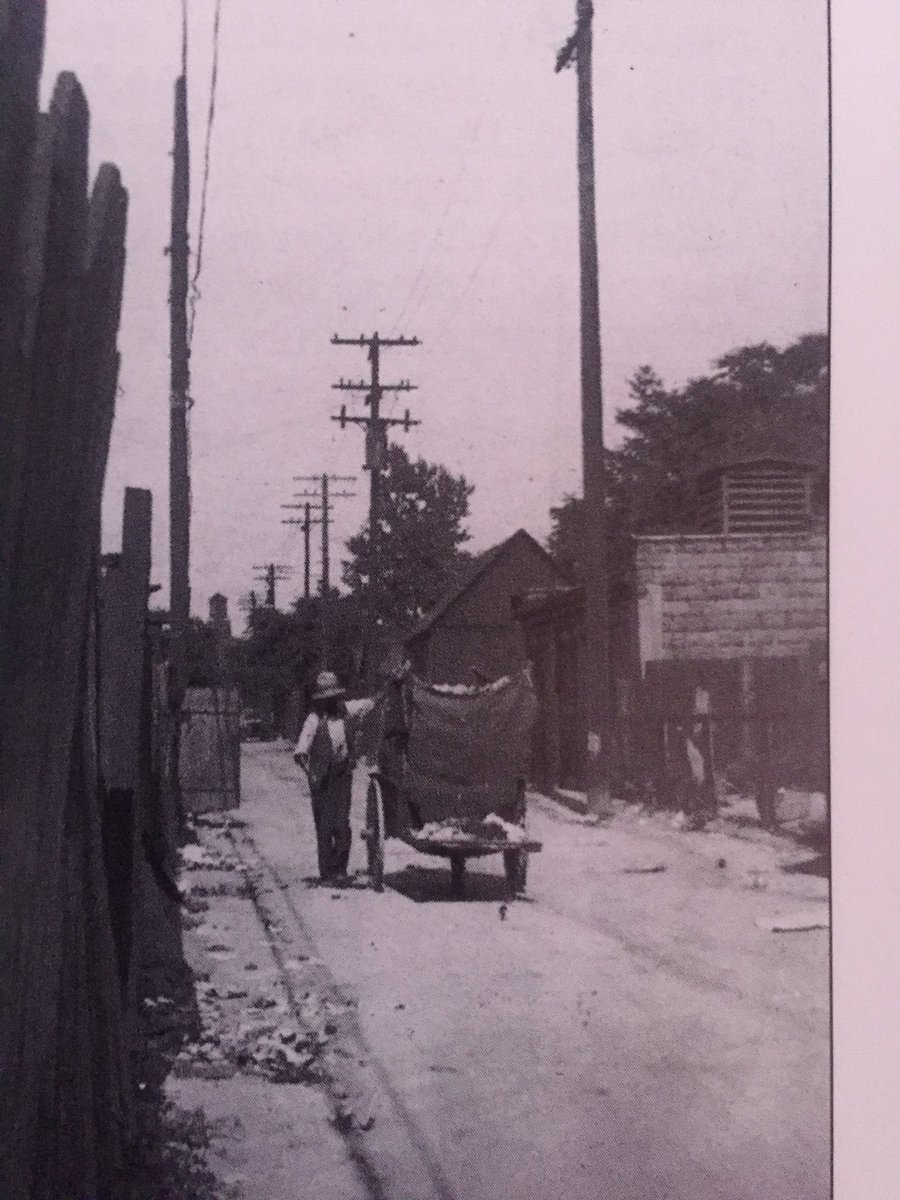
468,748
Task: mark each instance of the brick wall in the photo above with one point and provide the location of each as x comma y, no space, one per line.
730,596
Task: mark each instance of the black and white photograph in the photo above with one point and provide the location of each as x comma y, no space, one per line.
415,719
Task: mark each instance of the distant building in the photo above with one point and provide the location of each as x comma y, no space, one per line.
218,614
473,628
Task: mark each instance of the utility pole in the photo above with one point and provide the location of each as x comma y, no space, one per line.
597,681
376,427
272,573
179,396
306,525
325,503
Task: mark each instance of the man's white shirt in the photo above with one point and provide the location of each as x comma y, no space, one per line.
337,729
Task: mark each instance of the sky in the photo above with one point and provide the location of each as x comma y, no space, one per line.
409,166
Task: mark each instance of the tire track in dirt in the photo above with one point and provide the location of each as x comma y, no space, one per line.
395,1162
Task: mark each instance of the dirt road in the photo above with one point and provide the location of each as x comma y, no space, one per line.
627,1032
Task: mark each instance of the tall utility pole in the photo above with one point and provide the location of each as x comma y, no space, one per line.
376,427
306,526
324,502
179,395
272,573
596,682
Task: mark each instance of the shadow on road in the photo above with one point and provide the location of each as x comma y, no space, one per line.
428,884
819,865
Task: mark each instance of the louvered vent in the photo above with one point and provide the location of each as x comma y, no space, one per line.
756,498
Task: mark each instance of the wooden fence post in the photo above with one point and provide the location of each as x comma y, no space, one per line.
63,1120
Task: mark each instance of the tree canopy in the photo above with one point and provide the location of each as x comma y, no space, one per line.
422,537
755,399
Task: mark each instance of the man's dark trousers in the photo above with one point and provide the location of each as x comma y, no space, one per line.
331,813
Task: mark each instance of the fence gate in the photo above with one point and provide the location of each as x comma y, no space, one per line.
761,721
209,759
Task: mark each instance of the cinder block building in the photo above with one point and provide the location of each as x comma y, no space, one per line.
750,579
735,604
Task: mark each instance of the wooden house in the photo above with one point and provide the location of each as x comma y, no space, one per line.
473,628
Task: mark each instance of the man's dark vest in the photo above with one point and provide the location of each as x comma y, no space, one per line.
321,754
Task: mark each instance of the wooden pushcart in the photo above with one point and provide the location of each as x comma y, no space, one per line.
452,757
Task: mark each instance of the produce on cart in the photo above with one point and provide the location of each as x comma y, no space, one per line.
451,775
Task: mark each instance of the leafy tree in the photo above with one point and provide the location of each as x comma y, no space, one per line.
281,652
421,539
753,397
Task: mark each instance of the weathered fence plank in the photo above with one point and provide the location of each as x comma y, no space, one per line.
60,1021
125,715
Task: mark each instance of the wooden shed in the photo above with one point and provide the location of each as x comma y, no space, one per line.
473,627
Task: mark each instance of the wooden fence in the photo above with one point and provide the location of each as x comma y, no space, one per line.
759,723
72,651
210,749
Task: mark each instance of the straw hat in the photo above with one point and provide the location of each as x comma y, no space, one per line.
327,686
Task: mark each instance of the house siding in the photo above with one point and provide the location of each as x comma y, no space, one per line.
478,629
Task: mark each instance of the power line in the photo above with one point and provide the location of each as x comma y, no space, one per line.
210,118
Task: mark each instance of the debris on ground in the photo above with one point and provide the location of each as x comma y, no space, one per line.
794,922
216,820
195,857
466,829
644,868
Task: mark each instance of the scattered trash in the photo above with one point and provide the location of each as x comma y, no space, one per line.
218,821
296,964
467,829
721,864
251,966
195,857
757,880
342,1119
794,922
158,1001
502,912
399,1007
650,868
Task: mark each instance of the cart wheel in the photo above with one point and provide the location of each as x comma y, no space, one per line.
374,835
458,875
516,863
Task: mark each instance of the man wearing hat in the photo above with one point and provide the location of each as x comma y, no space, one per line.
327,749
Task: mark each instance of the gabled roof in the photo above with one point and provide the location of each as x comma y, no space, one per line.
474,571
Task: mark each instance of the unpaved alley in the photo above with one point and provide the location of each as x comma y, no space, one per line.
630,1030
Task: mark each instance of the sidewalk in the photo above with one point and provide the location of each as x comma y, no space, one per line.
262,1068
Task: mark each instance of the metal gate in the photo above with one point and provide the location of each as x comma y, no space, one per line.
209,756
